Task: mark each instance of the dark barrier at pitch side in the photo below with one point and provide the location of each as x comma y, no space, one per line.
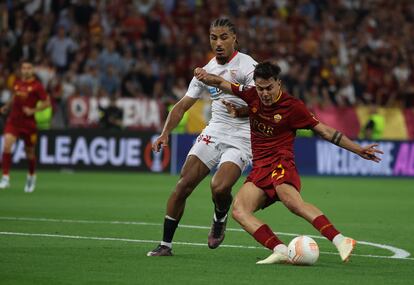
92,149
89,149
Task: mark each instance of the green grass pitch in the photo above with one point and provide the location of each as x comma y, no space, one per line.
95,228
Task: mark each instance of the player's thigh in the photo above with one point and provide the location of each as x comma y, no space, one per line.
226,176
288,195
250,198
30,140
9,141
193,171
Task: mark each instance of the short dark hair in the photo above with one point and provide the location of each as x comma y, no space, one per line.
266,70
223,22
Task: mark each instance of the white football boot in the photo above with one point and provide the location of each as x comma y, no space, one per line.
4,182
279,256
345,248
30,184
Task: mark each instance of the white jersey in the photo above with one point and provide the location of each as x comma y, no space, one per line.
238,70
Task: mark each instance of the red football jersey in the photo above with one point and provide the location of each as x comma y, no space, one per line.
273,128
26,94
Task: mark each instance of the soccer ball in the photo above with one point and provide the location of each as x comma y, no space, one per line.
303,250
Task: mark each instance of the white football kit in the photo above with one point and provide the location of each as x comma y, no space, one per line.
225,138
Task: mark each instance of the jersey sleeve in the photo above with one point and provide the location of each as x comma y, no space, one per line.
195,89
301,117
41,93
245,93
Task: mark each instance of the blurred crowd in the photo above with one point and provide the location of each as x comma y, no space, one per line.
332,52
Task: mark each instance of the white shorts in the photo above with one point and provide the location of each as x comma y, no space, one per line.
213,149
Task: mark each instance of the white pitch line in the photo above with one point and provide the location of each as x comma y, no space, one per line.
154,241
398,253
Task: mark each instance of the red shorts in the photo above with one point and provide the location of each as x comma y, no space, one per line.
28,135
267,177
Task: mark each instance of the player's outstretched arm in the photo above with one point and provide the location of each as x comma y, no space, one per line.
234,111
368,152
6,107
40,107
213,80
173,118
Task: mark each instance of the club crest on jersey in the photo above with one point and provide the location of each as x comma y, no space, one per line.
29,89
254,109
277,118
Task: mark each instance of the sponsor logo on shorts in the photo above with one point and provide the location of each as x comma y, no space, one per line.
279,172
205,138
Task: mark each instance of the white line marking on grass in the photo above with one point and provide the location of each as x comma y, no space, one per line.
398,253
154,241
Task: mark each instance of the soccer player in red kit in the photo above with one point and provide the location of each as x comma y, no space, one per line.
274,118
27,93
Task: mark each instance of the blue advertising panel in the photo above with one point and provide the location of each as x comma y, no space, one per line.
318,157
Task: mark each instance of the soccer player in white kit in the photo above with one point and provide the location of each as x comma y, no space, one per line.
224,143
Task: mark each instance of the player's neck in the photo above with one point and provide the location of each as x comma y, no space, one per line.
28,79
227,59
279,94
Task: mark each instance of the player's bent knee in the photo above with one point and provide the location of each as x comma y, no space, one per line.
294,206
237,214
183,188
220,189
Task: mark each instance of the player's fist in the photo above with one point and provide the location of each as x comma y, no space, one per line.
200,73
231,108
3,110
161,141
28,111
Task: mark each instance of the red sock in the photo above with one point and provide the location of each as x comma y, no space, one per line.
6,161
266,237
32,165
324,226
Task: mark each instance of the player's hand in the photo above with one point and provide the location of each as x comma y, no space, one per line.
370,152
200,74
231,108
161,141
28,111
3,110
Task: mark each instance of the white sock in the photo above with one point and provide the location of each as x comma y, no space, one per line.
169,244
338,239
281,248
6,177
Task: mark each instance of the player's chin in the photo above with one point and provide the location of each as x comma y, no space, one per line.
221,55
